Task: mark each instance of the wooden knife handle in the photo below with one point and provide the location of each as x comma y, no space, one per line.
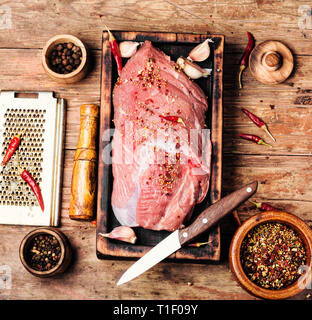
83,187
217,211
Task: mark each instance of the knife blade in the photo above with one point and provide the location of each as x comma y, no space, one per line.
176,239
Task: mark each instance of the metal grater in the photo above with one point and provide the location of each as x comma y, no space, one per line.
41,122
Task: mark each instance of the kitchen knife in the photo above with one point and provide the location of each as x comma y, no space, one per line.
176,239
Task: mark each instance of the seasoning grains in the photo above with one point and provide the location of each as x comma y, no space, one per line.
150,76
271,255
44,252
65,58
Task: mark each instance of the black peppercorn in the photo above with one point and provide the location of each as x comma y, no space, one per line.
65,58
46,254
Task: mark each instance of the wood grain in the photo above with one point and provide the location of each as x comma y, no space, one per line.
271,62
86,19
283,172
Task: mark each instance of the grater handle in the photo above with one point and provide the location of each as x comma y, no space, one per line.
83,188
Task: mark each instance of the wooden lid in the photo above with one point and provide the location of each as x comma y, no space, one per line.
271,62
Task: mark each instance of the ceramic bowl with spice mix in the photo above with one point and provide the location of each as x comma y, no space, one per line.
45,252
64,59
270,255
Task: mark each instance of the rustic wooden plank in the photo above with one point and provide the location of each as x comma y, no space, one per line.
259,17
283,182
280,106
86,20
141,36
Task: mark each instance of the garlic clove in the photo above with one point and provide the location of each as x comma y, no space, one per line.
121,233
201,52
191,69
128,48
207,72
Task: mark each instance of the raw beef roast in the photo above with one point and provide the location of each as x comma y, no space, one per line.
161,150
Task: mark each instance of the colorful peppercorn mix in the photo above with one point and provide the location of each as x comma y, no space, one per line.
271,255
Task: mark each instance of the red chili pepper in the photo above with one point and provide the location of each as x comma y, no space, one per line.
258,122
244,60
253,138
264,206
11,148
26,176
198,244
173,119
115,50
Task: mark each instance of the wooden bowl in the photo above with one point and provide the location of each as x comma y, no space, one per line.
74,76
292,221
66,252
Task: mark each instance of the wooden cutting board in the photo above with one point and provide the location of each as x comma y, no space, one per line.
175,45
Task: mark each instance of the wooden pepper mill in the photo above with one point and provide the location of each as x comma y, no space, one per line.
83,188
271,62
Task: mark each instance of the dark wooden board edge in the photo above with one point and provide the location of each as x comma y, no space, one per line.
104,247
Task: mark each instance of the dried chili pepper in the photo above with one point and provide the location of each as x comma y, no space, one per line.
115,50
244,60
11,148
173,119
26,176
198,244
253,138
258,122
263,206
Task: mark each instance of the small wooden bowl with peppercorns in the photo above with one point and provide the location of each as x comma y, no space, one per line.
270,255
45,252
64,59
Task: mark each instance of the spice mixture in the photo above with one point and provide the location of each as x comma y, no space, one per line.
44,252
65,58
271,255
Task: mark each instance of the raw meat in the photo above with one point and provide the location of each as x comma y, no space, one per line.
161,165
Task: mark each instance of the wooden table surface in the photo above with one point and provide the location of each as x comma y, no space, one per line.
283,172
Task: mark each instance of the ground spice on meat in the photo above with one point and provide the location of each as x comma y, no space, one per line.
271,255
